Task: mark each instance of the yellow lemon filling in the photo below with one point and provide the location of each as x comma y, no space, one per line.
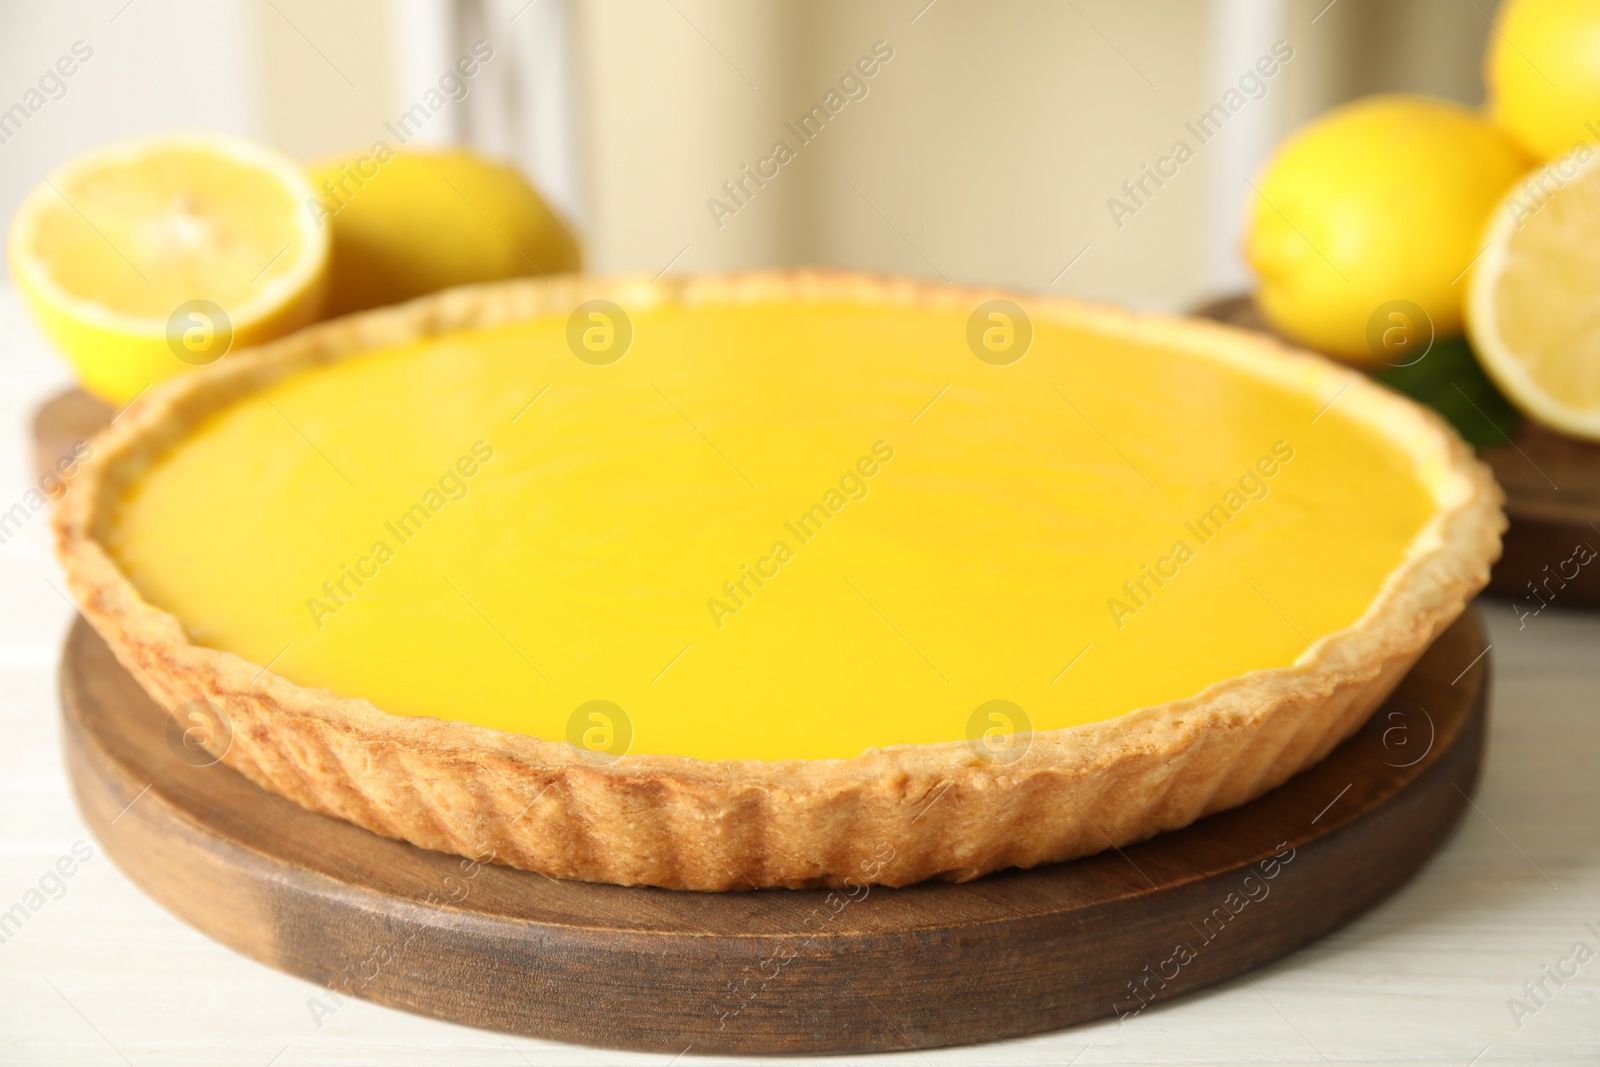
770,530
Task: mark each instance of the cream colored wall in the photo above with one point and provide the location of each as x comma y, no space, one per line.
673,97
990,145
987,149
326,73
1417,46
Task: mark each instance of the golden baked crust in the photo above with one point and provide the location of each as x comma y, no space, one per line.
895,815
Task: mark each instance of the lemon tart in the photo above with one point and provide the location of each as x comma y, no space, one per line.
775,579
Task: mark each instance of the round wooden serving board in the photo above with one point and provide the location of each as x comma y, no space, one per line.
776,971
1552,486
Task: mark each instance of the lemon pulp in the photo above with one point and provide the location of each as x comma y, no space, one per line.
168,227
771,530
1528,310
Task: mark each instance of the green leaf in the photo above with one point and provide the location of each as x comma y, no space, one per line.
1449,380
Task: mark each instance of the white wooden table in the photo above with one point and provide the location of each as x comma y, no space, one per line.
98,974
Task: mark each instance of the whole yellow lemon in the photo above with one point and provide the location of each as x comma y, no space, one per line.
413,222
1543,73
1376,206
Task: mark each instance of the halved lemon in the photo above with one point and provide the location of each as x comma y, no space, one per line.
146,257
1533,305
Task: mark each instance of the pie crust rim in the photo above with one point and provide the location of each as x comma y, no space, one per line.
894,815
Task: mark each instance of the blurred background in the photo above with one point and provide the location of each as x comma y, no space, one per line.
985,150
989,145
